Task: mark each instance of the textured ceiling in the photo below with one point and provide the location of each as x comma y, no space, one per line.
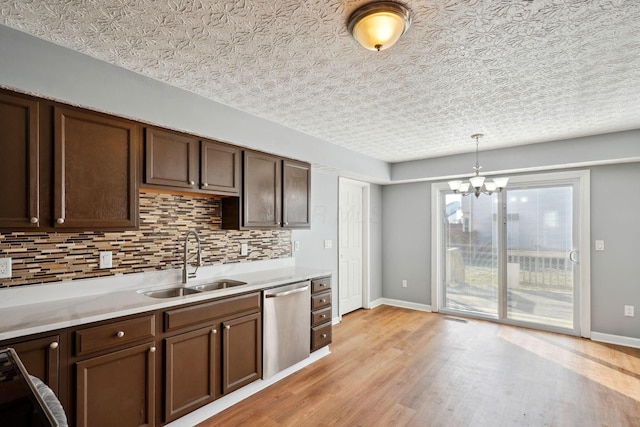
518,71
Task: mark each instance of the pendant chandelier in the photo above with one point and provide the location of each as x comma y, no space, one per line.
477,184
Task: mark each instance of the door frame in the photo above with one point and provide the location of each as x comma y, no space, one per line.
366,228
583,177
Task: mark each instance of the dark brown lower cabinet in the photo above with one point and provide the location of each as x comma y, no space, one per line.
41,358
117,389
190,371
242,352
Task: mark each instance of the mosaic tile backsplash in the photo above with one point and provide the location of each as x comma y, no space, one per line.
157,245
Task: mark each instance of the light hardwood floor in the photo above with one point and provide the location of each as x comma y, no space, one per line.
396,367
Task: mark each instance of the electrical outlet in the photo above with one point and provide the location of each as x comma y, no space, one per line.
328,244
628,310
296,245
5,268
244,249
599,245
404,283
106,259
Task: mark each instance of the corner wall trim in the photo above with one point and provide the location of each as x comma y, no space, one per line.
399,303
615,339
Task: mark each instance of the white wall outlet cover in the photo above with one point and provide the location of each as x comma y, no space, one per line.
296,245
244,249
629,310
106,259
404,283
5,268
328,244
599,245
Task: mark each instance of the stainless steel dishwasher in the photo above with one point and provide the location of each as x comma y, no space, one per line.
286,332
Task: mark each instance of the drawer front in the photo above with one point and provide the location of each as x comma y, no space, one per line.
201,313
320,301
114,334
320,285
320,336
320,316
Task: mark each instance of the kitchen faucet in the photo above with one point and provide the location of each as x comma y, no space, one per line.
185,274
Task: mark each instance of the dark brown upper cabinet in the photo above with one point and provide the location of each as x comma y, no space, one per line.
182,162
95,165
19,171
262,196
219,168
171,159
296,194
65,169
276,194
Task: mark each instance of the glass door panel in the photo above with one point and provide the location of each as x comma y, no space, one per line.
540,276
471,254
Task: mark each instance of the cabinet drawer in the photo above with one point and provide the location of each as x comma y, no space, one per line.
320,336
114,334
188,316
320,285
320,300
320,316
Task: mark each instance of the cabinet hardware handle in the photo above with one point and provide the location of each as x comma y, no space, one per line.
34,220
214,331
286,223
60,220
227,327
53,345
152,349
191,183
277,222
323,335
206,184
322,300
323,285
120,334
322,316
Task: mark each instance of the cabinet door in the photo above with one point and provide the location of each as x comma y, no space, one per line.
296,194
219,168
190,371
19,179
117,389
242,352
262,190
41,357
171,160
95,171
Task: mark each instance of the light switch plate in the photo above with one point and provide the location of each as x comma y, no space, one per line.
599,245
5,268
328,244
629,310
106,260
296,245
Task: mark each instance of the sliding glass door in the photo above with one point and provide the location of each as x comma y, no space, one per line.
512,256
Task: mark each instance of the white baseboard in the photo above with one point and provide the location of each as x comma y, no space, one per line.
616,339
206,412
399,303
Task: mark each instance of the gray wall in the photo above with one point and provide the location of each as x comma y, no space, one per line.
375,255
615,276
615,213
406,242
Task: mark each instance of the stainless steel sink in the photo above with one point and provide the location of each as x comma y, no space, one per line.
218,284
170,292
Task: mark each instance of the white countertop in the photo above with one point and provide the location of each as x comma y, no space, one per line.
33,309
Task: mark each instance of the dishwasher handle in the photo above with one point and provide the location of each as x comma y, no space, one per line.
285,293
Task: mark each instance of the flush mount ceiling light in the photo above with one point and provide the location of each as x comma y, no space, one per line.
477,184
378,25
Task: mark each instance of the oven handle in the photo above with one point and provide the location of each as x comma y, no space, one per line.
285,293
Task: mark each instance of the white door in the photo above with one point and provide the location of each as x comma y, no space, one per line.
350,237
